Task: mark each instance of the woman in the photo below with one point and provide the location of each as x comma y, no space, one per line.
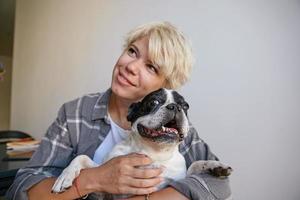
155,55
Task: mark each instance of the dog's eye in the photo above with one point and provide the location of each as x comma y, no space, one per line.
154,103
185,106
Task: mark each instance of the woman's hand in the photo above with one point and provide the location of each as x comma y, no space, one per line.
120,175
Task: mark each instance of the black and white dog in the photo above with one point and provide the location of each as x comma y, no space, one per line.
159,124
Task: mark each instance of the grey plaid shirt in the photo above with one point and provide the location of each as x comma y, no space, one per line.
81,127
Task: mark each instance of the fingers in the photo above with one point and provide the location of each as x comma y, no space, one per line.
145,173
132,165
145,183
136,159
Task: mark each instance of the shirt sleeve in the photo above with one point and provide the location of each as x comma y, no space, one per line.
200,186
52,156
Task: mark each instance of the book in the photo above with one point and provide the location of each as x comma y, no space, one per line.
5,140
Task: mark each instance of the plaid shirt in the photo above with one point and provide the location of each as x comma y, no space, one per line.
81,127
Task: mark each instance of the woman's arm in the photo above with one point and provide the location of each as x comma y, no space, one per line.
42,190
164,194
117,176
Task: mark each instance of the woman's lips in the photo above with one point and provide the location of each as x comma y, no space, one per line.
124,81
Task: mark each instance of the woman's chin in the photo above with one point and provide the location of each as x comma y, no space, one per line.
125,93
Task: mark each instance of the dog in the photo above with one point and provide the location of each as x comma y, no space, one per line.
159,123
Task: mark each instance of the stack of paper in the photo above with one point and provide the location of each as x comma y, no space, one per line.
21,147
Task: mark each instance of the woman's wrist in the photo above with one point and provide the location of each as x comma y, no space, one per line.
88,181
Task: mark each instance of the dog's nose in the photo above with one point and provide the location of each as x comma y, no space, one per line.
179,108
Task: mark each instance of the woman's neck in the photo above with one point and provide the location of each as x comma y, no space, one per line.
118,110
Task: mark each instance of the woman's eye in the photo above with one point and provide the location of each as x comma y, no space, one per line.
152,68
131,52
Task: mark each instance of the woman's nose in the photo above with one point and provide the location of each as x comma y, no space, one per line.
133,66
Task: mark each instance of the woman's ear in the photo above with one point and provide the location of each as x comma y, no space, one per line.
166,84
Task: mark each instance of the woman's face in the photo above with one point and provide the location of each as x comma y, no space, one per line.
134,75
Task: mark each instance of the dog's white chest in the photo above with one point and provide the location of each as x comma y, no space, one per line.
175,168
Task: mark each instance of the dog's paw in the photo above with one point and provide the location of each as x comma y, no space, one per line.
221,171
215,168
65,180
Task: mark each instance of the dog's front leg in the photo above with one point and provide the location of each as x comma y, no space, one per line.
65,180
213,167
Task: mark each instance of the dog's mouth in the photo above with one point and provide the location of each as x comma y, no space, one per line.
166,133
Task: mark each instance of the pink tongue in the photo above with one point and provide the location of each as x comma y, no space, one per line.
161,132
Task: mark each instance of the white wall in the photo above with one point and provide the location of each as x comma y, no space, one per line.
244,90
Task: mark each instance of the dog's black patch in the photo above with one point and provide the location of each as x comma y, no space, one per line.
150,103
180,101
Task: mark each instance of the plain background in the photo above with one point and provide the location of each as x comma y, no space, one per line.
243,93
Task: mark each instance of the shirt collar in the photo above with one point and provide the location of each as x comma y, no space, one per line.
101,106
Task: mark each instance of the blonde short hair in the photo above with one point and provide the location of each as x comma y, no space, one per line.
168,48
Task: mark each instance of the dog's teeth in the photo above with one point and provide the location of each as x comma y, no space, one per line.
163,128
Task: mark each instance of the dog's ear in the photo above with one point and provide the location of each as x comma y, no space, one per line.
133,112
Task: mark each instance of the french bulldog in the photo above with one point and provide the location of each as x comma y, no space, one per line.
159,123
